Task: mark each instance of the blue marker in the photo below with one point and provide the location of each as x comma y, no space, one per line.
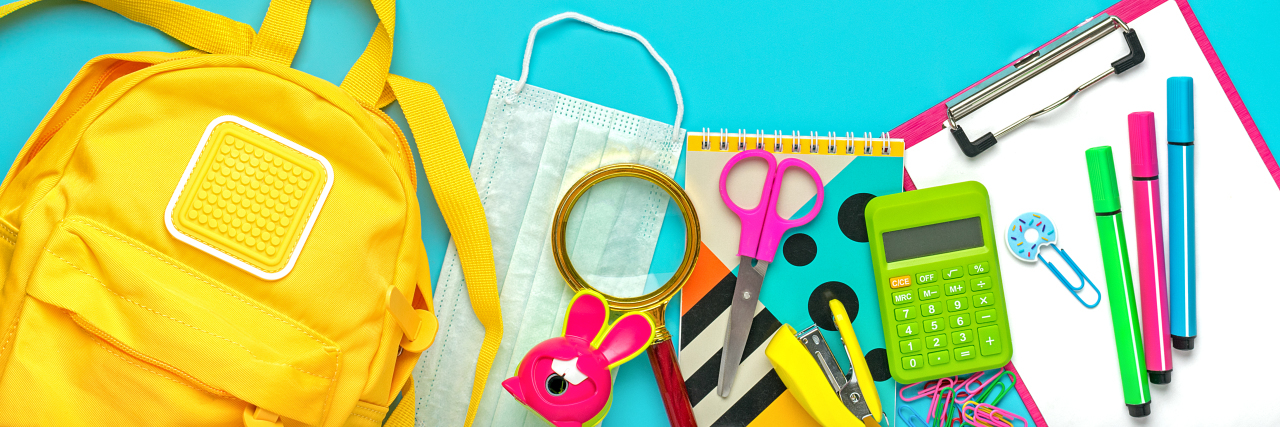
1182,213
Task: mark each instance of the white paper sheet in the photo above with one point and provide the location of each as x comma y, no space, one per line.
1067,352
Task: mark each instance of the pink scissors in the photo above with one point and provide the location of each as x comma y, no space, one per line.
762,229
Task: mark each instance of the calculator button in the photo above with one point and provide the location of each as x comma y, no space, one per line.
954,288
983,300
900,282
952,273
935,325
903,297
935,341
927,277
909,346
965,353
904,313
981,283
979,268
931,309
986,316
964,337
929,292
989,340
939,358
912,362
961,320
957,304
908,329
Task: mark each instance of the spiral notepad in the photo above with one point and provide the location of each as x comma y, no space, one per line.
829,252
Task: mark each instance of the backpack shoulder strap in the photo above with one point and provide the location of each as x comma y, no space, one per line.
455,193
195,27
281,31
278,41
367,80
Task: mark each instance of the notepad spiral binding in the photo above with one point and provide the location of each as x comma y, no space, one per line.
795,143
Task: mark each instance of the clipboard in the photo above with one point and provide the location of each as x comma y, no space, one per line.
1040,166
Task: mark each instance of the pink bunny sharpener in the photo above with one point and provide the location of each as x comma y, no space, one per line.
565,379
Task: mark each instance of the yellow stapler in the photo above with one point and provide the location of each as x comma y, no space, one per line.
806,365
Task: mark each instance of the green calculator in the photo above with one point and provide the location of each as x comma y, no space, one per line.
938,280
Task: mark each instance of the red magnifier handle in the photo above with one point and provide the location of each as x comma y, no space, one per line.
662,355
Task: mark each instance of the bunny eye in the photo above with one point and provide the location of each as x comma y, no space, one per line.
556,384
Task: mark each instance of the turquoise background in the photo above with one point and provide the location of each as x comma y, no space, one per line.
856,66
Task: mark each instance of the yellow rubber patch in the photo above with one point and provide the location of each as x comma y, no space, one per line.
249,197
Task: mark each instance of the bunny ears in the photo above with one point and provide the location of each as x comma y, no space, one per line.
587,320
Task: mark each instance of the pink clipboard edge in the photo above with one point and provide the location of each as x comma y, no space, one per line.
1030,403
926,124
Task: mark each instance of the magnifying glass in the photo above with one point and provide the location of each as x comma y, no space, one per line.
653,304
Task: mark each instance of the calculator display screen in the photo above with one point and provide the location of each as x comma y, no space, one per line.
932,239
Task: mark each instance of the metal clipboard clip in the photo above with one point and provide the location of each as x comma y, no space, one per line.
1032,65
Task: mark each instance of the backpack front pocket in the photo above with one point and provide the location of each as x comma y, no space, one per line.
166,318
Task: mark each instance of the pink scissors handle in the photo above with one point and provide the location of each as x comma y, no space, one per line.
752,219
762,227
775,225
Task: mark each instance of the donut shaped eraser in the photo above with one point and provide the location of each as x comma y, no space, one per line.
1027,233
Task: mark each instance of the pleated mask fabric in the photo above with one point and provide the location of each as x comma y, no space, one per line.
534,145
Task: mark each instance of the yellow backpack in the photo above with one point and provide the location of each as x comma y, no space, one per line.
211,237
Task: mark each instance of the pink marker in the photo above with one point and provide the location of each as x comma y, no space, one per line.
1151,267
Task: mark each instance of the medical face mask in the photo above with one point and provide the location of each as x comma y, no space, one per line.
534,144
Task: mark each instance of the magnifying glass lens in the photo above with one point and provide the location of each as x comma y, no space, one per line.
625,237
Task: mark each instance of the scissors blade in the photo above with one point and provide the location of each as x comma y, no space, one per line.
746,293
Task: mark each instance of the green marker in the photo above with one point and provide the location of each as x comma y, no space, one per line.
1115,260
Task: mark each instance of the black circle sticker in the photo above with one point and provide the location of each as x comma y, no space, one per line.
820,308
852,216
800,249
878,364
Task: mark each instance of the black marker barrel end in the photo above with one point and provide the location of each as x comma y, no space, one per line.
1184,343
1161,377
1139,411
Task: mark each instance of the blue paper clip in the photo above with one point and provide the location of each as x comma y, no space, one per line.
907,417
1031,230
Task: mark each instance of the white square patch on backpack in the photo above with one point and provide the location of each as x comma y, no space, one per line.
249,197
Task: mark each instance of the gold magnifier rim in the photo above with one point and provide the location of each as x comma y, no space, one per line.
692,237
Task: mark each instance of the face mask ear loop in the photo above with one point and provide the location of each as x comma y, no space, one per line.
528,52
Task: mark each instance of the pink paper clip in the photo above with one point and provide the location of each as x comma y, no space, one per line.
961,393
987,415
902,394
933,409
981,384
941,413
1000,414
933,405
979,416
926,390
966,386
965,407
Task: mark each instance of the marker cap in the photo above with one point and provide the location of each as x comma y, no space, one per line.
1102,179
1142,144
1184,343
1182,124
1139,411
1160,377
